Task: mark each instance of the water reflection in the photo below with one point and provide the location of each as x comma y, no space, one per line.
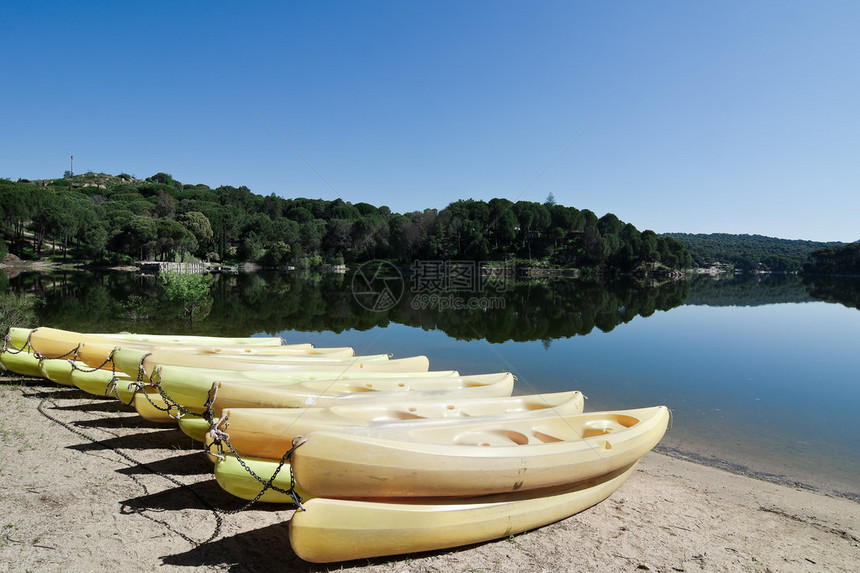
747,290
247,303
842,290
545,310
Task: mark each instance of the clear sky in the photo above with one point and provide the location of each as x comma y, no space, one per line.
738,117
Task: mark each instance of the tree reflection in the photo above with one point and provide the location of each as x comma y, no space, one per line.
272,302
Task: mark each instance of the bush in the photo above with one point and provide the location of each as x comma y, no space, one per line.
17,309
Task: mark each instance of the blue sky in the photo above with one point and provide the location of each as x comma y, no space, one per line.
738,117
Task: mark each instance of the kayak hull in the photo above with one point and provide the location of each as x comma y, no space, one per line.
235,480
331,530
476,459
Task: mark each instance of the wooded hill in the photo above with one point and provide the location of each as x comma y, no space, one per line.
748,252
120,219
842,260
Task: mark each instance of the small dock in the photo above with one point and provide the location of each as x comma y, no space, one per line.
156,267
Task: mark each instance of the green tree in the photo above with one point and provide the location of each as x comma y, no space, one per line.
191,291
198,225
503,223
277,254
136,237
172,238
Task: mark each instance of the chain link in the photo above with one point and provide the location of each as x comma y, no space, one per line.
112,389
219,437
174,405
8,338
109,360
40,356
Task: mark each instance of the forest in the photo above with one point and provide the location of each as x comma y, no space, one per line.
749,253
119,219
835,260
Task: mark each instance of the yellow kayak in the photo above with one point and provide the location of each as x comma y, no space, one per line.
18,337
22,362
59,371
56,342
100,354
130,360
471,458
269,432
332,530
192,385
104,383
266,450
324,393
153,408
235,479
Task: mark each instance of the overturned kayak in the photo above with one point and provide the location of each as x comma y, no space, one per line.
475,459
330,530
269,432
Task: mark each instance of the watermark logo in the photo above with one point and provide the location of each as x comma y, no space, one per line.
377,285
434,285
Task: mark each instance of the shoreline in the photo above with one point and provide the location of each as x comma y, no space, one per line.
88,484
746,471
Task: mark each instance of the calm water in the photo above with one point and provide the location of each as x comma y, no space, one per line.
760,375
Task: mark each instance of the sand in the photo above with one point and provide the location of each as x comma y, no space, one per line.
86,485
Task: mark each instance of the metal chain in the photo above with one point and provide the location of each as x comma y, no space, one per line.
40,356
141,387
112,389
8,338
208,405
109,360
219,438
173,404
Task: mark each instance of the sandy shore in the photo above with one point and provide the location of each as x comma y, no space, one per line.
87,485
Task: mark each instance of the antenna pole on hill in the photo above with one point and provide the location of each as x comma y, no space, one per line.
72,170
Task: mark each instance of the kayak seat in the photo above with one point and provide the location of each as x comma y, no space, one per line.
492,438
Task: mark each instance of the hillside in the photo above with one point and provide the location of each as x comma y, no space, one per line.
835,260
120,219
748,252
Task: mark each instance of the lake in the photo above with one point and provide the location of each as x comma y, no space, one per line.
763,376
